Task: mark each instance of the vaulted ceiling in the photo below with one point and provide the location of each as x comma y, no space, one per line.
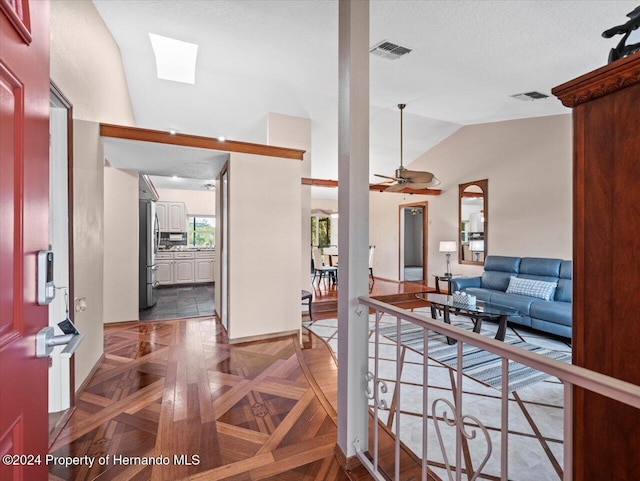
262,56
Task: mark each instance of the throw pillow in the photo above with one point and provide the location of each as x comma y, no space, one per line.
532,288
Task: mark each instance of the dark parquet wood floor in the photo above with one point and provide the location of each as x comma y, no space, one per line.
247,412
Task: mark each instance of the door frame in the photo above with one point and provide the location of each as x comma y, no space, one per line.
425,239
60,98
223,248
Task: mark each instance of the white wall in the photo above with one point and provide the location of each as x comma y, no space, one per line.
121,248
86,66
384,229
197,202
295,133
264,246
88,242
528,164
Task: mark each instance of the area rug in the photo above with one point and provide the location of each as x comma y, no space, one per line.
478,364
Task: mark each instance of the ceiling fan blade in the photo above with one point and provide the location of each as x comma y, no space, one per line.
418,176
423,185
395,187
386,177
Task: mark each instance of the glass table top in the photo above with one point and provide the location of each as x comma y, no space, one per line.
480,308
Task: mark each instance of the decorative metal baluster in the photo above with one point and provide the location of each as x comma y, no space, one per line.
377,387
458,413
376,401
568,431
504,436
425,401
398,385
459,424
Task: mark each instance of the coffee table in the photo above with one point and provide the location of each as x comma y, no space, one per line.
481,311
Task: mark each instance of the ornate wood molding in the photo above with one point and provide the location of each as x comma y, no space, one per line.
603,81
372,187
186,140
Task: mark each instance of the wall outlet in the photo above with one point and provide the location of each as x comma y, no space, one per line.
80,304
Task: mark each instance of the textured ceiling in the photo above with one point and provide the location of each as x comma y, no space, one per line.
164,159
262,56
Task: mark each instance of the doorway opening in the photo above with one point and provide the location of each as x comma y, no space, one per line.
61,372
413,242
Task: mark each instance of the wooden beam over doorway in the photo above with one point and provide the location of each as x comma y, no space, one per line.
187,140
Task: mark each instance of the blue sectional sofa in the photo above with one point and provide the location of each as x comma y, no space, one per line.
552,316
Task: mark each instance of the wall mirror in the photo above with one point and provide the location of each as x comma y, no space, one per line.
473,222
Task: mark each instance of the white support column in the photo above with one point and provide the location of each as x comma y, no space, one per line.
353,205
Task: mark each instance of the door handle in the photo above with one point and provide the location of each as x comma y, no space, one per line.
46,341
155,284
155,267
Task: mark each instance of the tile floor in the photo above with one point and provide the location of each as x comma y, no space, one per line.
535,412
180,302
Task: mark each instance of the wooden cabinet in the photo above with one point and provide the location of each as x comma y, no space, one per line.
185,267
172,216
161,212
606,252
177,217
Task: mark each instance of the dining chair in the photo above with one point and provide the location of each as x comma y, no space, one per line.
322,270
372,250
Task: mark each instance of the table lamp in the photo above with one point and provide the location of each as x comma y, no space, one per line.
476,246
448,247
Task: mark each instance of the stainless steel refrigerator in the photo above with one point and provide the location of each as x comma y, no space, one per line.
149,239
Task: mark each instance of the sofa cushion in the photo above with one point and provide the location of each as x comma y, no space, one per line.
542,267
502,264
481,293
557,312
513,301
496,280
498,271
551,327
532,288
564,289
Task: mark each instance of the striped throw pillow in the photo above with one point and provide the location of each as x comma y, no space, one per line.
532,288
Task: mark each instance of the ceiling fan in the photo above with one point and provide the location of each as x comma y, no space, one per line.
405,178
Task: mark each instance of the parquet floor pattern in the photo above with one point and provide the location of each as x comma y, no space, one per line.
248,412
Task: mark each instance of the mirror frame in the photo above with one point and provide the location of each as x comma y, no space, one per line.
484,186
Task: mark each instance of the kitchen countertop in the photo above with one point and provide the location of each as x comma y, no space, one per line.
187,249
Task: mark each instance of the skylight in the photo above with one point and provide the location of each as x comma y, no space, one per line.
175,59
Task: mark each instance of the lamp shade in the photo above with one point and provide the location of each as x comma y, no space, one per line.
476,246
448,246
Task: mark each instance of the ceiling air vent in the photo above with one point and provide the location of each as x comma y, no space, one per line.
390,50
530,96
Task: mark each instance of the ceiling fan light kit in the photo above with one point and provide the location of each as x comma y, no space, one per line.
405,178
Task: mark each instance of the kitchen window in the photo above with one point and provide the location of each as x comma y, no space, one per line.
201,231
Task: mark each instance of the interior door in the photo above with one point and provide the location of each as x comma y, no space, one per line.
24,218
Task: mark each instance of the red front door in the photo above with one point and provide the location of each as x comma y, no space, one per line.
24,217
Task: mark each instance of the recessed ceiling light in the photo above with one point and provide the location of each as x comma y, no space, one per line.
175,59
175,177
222,138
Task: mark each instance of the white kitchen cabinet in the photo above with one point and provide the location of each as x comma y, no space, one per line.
172,216
161,212
183,271
185,267
164,272
204,270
